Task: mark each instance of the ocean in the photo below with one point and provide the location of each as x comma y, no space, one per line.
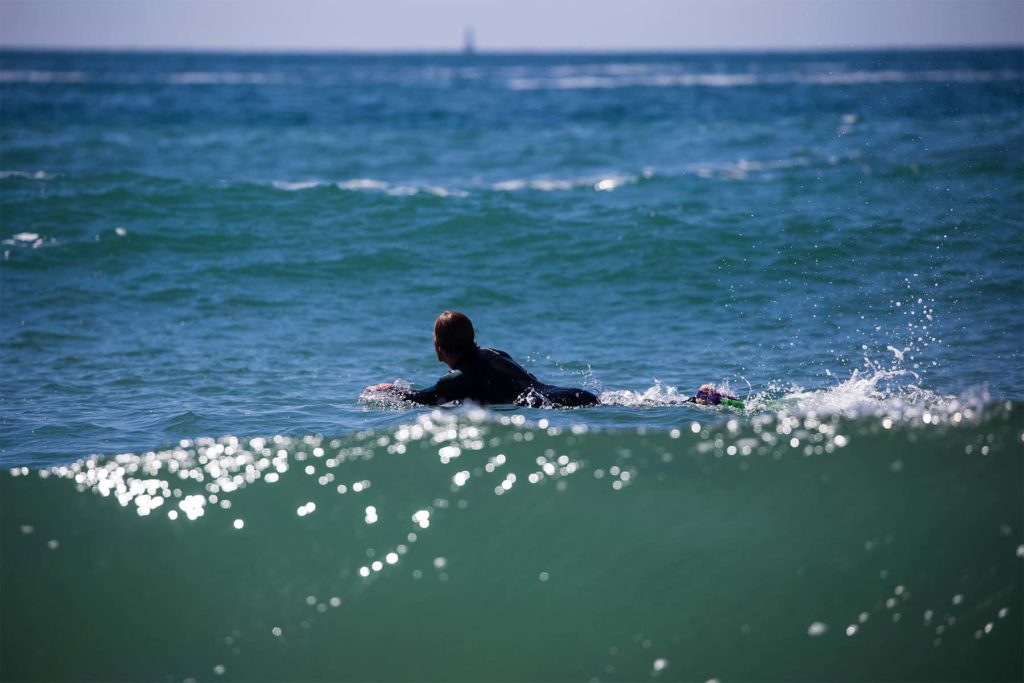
207,257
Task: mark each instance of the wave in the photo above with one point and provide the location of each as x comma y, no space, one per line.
313,555
126,78
738,80
598,183
740,169
28,175
519,78
36,76
32,240
200,475
372,185
743,168
225,78
406,189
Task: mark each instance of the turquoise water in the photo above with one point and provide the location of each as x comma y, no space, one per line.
206,258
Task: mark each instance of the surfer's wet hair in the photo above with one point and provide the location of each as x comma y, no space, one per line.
453,333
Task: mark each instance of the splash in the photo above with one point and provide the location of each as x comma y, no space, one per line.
387,400
655,396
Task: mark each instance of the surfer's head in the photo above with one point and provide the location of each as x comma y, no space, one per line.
453,337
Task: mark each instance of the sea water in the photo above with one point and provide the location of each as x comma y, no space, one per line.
206,258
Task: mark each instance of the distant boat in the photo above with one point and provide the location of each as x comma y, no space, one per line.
468,41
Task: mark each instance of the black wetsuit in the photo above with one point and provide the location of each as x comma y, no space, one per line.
491,376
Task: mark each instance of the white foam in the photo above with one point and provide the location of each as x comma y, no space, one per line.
27,239
742,168
398,190
372,185
583,80
509,186
127,78
363,184
443,192
37,175
652,81
652,397
893,76
890,393
604,183
551,185
296,186
27,76
222,78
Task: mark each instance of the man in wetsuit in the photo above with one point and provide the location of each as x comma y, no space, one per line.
483,375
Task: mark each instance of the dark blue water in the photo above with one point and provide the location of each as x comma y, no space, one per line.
234,246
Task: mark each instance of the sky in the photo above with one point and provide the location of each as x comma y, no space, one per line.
432,25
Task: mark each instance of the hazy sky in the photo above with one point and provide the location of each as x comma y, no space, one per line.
508,24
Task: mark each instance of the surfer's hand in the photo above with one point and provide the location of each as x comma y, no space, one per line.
380,387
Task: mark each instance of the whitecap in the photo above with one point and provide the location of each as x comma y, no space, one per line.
598,183
363,184
27,239
398,190
552,185
444,192
509,185
31,76
583,78
28,175
613,182
222,78
742,168
402,190
295,186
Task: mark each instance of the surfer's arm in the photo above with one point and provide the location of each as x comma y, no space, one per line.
448,388
428,397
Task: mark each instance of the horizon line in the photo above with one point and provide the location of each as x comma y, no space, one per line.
454,51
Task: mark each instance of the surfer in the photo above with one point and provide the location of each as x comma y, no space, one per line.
483,375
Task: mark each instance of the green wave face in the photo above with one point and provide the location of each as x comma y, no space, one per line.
463,546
